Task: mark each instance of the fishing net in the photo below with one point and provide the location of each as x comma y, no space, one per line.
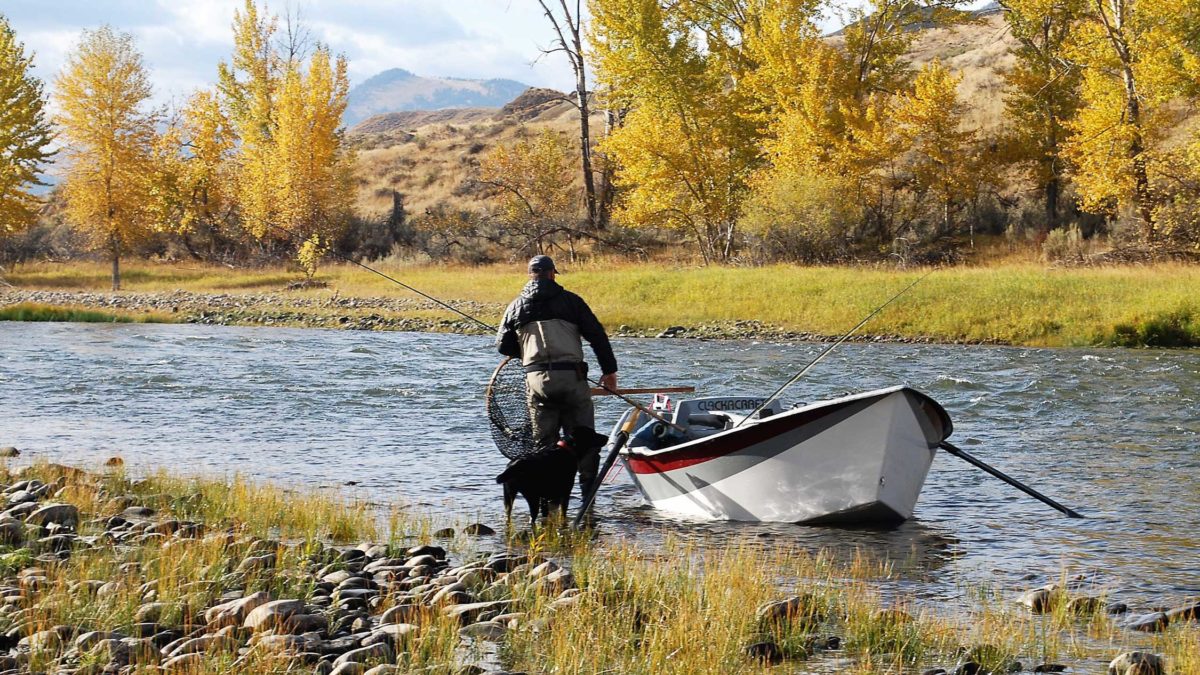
508,411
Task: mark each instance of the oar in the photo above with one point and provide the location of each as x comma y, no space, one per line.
618,443
962,454
598,391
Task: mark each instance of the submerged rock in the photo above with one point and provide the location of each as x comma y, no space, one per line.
9,451
766,651
1148,623
478,530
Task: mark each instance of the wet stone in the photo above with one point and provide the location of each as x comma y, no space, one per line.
478,530
765,651
1050,668
1137,663
1148,623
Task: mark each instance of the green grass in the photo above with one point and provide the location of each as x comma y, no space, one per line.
1013,303
30,311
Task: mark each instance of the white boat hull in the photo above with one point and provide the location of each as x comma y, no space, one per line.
858,460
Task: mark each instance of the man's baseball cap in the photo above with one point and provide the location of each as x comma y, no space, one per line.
541,263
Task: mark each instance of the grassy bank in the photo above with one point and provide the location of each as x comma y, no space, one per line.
179,573
31,311
1020,304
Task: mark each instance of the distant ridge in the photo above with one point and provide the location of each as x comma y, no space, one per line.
398,90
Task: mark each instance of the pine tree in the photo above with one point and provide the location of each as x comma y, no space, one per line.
102,93
25,133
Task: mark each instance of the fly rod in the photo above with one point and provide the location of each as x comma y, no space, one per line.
481,324
796,378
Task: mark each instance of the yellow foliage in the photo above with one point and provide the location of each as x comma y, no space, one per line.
309,255
109,138
24,133
534,179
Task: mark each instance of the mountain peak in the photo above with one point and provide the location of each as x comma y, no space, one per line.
397,90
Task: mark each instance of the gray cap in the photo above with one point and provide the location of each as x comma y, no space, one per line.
541,263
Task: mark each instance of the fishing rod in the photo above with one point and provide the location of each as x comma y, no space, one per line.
478,322
795,378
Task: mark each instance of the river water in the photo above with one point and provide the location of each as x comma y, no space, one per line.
1112,433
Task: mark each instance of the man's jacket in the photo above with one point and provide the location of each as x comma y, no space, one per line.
544,325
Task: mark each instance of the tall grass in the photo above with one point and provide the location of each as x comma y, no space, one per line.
31,311
1018,303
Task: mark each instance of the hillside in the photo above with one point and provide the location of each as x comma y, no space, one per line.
398,90
430,156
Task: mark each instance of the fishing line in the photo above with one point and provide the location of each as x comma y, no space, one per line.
795,378
463,314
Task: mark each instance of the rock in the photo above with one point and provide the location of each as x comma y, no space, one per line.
348,668
234,612
336,577
934,671
466,613
391,632
200,645
1084,605
969,668
137,513
484,630
43,641
1039,600
383,669
400,614
63,514
1050,668
88,640
272,614
150,612
1137,663
1148,623
256,562
444,533
1115,608
298,624
766,651
12,532
797,607
114,462
478,530
288,644
9,451
437,552
380,651
1188,612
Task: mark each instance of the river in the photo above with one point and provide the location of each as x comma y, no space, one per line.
1112,433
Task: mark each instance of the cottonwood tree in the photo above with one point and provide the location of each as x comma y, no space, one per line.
25,133
1136,56
687,147
109,134
1042,94
292,167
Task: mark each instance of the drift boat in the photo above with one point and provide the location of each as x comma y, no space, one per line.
860,459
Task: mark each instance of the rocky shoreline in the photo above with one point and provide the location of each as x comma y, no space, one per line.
401,314
101,574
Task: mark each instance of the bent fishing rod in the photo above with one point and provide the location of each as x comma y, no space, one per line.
796,378
473,319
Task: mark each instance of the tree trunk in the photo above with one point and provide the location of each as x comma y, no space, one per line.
116,263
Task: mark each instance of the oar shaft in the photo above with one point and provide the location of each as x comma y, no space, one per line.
618,443
597,391
969,458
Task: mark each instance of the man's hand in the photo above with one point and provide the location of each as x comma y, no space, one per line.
609,381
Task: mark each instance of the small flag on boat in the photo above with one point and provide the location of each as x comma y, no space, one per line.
662,402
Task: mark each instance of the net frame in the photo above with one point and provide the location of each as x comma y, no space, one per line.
507,403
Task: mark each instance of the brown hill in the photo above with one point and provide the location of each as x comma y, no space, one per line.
430,157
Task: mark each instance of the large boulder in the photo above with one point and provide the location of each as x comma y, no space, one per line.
1137,663
234,612
273,614
66,515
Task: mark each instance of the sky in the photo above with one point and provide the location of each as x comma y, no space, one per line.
183,40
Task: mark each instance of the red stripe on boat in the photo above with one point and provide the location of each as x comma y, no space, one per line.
714,447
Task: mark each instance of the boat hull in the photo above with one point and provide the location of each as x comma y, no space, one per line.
857,460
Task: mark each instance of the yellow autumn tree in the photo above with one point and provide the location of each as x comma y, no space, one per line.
942,159
1135,56
292,167
534,183
207,185
109,135
1042,94
25,133
686,148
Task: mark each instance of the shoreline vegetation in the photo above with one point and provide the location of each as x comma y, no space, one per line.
102,572
1008,304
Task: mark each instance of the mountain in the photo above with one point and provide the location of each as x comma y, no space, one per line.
398,90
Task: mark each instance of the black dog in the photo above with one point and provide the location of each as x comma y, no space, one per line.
545,479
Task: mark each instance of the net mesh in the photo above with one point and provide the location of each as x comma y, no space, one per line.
508,411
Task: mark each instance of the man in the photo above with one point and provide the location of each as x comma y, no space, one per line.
543,327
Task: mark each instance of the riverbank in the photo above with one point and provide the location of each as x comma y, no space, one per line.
102,572
1018,304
